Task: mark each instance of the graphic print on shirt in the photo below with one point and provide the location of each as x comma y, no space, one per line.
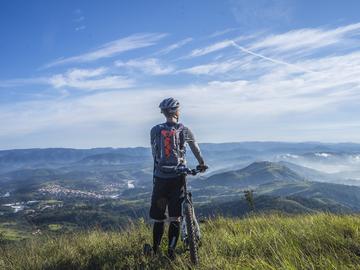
168,135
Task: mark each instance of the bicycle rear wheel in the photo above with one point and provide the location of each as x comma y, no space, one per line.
190,226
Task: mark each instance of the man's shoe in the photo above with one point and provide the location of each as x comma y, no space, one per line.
158,252
171,254
148,250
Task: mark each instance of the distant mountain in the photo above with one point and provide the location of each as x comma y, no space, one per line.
37,155
345,178
255,174
275,179
310,174
113,159
58,157
345,195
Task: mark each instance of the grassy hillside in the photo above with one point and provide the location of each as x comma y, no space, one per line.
321,241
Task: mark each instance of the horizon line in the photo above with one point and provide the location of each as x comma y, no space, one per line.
202,143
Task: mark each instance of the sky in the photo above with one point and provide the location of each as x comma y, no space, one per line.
89,74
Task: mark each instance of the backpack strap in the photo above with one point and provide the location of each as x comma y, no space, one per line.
157,141
180,127
182,150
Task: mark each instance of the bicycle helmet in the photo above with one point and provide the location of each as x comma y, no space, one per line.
169,106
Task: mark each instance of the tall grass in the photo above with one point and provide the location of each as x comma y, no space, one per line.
321,241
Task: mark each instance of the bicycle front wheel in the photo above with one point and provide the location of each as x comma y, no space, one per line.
190,226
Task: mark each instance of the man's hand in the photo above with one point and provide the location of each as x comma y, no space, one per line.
202,167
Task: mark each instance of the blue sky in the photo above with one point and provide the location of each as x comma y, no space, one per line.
92,73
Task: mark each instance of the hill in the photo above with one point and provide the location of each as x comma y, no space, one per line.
266,204
347,196
321,241
255,174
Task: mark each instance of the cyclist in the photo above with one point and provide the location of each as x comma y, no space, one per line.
168,143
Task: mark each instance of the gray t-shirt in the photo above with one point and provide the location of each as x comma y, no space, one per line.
189,139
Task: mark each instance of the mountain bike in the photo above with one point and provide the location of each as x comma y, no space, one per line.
190,229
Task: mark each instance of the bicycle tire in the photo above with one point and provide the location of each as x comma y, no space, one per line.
194,256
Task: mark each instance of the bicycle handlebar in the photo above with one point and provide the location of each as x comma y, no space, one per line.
183,170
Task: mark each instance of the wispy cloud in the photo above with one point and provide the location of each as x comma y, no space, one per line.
239,63
175,46
23,81
90,79
112,48
220,45
79,20
79,28
273,60
265,84
221,32
307,39
83,79
214,68
151,66
211,48
261,13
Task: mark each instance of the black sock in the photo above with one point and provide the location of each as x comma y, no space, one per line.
174,231
158,231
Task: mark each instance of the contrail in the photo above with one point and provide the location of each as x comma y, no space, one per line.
268,58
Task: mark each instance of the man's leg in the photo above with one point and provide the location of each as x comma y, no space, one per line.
174,233
158,231
177,196
157,212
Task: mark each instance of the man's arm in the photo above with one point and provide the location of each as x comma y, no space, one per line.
190,139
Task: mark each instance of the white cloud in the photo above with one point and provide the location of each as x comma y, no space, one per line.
262,12
219,45
236,64
276,61
212,48
80,28
259,108
79,19
23,81
112,48
257,93
90,79
307,39
214,68
151,66
222,32
175,46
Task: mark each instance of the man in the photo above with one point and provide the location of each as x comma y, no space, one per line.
168,143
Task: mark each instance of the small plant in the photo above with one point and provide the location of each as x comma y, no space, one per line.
249,197
2,238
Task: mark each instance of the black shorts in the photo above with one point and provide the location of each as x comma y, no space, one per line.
167,192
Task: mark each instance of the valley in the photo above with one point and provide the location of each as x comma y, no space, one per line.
53,191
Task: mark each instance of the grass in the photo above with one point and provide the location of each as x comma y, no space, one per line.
10,232
55,227
321,241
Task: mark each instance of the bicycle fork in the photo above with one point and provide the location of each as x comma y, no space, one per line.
184,233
